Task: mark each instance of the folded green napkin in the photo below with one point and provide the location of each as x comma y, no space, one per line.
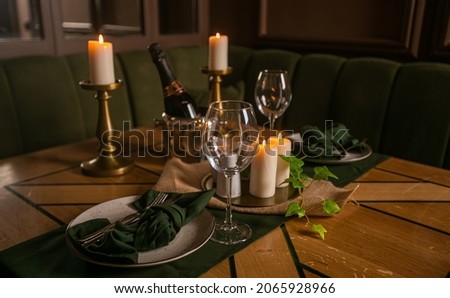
157,227
333,143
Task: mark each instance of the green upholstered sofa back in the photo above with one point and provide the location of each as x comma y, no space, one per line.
43,104
402,109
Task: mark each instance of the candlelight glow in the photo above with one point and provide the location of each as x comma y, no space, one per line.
218,52
101,61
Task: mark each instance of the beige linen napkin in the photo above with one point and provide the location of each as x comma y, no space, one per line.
181,177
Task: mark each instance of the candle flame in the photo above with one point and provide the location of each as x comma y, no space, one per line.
217,35
100,38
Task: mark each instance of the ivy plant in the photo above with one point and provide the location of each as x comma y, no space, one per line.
299,179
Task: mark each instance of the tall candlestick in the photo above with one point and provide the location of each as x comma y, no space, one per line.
101,62
283,168
263,172
218,52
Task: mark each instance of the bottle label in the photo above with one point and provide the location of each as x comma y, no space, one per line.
174,88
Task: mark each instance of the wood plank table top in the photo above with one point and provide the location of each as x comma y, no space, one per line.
396,225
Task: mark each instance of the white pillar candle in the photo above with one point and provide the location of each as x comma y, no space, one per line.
283,148
218,52
263,172
101,62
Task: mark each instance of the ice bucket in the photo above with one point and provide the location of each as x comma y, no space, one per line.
182,137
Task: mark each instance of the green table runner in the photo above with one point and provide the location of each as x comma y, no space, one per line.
48,255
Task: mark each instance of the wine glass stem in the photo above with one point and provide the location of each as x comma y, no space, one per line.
228,216
271,121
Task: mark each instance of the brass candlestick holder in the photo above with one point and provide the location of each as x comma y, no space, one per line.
110,161
215,78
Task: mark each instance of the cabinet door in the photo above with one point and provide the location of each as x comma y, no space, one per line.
64,26
130,24
440,43
25,28
349,25
181,22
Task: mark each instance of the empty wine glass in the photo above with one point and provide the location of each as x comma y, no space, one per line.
273,93
230,141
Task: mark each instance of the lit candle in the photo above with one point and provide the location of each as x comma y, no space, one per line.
218,52
263,172
101,62
283,148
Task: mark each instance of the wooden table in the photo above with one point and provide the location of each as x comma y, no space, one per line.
397,225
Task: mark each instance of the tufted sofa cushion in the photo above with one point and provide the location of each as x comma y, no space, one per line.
11,143
313,84
143,86
361,96
46,105
417,124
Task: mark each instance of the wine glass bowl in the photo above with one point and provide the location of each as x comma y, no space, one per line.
272,93
230,141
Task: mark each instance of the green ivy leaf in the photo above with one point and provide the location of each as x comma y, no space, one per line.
295,162
294,182
330,207
302,177
323,173
295,209
297,178
318,228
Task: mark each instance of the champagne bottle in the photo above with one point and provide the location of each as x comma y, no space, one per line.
177,100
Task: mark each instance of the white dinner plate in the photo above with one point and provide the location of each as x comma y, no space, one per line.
350,157
190,238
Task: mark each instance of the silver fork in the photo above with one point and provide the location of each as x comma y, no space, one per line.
127,220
